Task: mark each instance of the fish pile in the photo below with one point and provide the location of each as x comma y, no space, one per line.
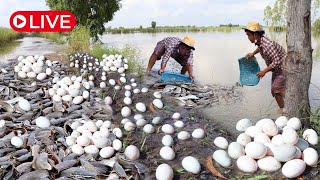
270,145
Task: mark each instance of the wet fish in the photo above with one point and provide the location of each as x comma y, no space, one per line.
39,174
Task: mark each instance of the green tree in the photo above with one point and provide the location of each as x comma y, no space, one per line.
92,14
316,25
153,24
229,25
267,15
140,26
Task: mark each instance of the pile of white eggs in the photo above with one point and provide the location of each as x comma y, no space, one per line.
98,137
33,67
73,89
269,145
167,153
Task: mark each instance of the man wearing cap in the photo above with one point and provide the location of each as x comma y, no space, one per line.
180,50
274,56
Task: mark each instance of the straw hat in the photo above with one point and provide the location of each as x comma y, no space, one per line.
189,42
254,27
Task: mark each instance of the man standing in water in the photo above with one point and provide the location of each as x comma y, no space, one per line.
274,56
180,50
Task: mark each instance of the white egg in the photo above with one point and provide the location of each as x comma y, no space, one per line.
134,84
75,134
183,135
235,150
127,101
284,152
112,82
167,140
290,136
295,123
125,120
310,156
42,122
61,91
156,120
123,79
136,91
270,128
22,74
106,152
83,140
91,126
157,95
179,124
253,130
16,141
70,141
56,98
73,92
132,153
256,150
261,122
127,94
269,164
91,149
127,87
141,122
108,100
107,124
222,158
24,105
148,128
281,121
129,126
277,139
243,139
77,100
198,133
77,149
311,136
247,164
167,153
176,116
121,70
117,132
31,75
164,172
293,168
41,76
221,142
101,142
85,94
144,90
117,144
138,116
262,138
167,128
141,107
67,98
243,124
191,164
125,111
158,103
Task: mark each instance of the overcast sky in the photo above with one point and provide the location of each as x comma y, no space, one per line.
165,12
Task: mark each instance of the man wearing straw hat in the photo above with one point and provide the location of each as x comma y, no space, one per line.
274,56
180,50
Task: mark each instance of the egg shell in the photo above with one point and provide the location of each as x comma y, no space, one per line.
156,120
167,140
141,107
243,124
117,144
77,149
295,123
293,168
106,152
198,133
256,150
221,142
132,153
42,122
191,164
222,158
167,128
243,139
247,164
16,141
24,105
269,164
310,156
164,172
281,121
235,150
253,130
148,128
91,149
183,135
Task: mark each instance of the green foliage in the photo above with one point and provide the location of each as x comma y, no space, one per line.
79,40
89,13
140,26
153,24
276,16
7,35
316,25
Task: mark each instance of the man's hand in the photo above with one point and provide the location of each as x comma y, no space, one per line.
249,55
160,71
191,77
261,74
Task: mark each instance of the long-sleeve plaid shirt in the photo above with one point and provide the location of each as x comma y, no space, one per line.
272,53
171,45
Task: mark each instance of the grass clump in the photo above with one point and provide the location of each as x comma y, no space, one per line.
7,35
78,40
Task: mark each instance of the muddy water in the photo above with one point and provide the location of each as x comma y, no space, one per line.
216,57
30,45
